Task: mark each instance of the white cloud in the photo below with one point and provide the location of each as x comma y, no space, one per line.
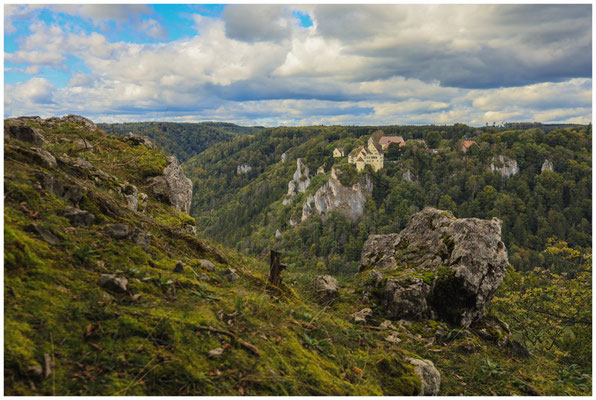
237,70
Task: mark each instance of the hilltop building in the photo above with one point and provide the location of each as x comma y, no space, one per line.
385,141
370,155
466,144
338,152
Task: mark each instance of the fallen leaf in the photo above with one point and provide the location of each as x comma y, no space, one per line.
226,345
278,339
357,370
241,391
88,329
96,346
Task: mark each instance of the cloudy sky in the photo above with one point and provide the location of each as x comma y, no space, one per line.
300,65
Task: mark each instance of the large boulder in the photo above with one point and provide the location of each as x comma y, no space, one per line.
437,267
173,186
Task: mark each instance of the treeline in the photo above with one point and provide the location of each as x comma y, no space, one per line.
184,140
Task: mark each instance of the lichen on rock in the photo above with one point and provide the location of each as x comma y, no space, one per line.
438,267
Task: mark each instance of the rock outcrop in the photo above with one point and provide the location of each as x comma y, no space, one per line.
137,140
438,267
243,169
504,165
547,165
17,129
173,186
299,183
77,119
408,176
333,195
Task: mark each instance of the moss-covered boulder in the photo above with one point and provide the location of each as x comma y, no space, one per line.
438,266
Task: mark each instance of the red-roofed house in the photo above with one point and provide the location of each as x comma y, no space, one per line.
385,141
466,144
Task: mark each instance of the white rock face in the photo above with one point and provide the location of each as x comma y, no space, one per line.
299,182
348,200
547,166
243,169
284,157
504,165
173,185
321,170
278,234
408,176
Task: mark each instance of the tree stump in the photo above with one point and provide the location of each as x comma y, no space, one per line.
275,268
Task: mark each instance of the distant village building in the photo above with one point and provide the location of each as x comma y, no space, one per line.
385,141
466,144
338,152
371,155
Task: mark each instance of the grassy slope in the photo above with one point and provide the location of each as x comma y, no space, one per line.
110,344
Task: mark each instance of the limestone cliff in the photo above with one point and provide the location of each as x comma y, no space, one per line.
504,165
299,183
333,195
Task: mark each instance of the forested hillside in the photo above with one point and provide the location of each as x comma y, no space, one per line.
184,140
109,290
536,206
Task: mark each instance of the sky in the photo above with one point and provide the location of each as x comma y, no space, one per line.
275,65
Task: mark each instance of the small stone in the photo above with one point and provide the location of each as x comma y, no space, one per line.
179,268
386,325
205,277
35,370
326,287
208,265
117,231
78,217
215,352
74,194
430,377
114,283
44,233
141,238
393,338
362,315
229,274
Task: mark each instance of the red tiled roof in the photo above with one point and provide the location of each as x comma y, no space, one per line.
391,139
468,143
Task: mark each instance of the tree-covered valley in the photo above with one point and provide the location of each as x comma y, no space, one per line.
537,207
127,272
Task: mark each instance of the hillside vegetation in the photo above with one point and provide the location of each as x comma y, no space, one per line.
108,292
183,140
537,207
